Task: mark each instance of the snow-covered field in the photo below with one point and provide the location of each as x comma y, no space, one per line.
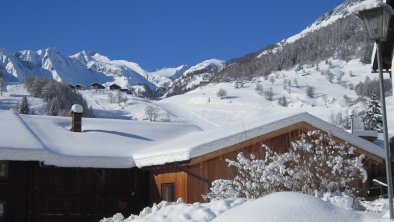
242,105
283,206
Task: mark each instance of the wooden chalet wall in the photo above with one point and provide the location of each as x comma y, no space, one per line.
14,190
201,174
42,193
201,171
160,177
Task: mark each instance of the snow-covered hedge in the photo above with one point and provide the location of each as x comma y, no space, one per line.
314,164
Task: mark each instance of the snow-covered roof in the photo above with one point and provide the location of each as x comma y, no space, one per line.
76,108
109,143
106,143
204,142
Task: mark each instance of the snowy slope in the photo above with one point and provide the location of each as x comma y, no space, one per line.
328,18
244,105
195,76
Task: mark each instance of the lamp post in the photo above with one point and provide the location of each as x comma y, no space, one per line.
376,17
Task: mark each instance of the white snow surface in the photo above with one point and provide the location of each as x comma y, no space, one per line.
103,143
286,206
276,207
77,108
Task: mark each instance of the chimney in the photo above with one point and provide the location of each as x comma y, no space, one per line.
76,114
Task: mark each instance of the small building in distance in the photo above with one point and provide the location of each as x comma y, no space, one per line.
114,87
96,85
79,87
72,86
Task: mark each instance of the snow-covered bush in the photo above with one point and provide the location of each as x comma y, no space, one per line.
221,93
310,91
23,106
259,89
269,94
283,101
314,164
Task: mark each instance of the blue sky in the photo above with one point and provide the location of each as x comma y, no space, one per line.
155,33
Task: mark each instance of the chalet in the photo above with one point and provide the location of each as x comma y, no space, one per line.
187,170
48,173
114,87
96,85
79,87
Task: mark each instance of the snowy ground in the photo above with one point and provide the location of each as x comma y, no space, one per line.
203,108
244,105
282,206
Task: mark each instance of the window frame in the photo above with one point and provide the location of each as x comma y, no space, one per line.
166,193
5,164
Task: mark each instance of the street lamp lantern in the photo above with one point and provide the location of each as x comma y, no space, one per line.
376,21
376,17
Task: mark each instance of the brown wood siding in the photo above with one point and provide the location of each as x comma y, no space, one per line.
205,169
201,175
175,176
43,193
14,190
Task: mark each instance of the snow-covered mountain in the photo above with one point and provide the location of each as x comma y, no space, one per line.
124,73
337,34
195,76
87,67
330,17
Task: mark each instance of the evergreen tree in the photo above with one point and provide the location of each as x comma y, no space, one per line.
23,106
3,86
53,107
373,116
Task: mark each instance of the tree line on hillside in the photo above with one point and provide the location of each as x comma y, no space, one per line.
181,85
59,96
344,39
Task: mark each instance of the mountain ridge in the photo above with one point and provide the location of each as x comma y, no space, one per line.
85,67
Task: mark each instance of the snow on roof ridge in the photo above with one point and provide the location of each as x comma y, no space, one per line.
186,153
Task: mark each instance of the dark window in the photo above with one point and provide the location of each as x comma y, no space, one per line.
3,169
167,192
2,209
